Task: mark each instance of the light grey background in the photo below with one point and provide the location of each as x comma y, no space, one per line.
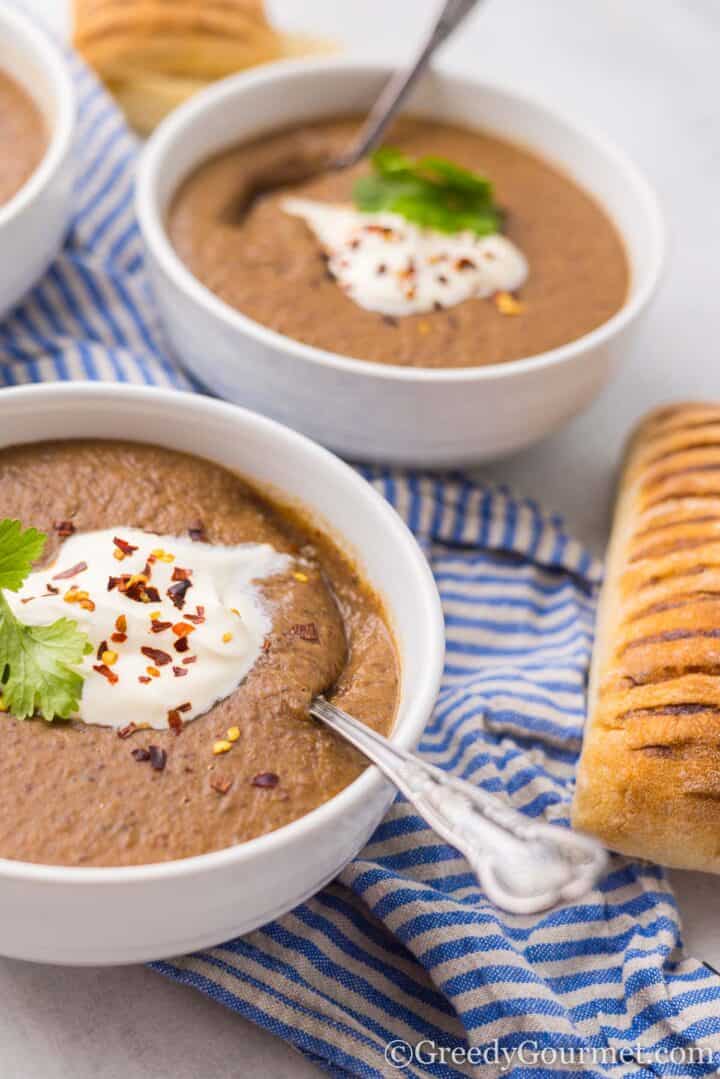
647,73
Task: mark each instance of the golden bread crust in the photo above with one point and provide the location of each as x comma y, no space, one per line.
649,777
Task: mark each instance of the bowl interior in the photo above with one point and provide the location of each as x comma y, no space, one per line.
293,468
286,94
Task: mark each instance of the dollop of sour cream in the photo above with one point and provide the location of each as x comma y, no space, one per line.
175,625
386,264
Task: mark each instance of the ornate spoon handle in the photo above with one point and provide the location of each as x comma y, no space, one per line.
523,866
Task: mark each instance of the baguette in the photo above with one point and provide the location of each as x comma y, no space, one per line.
648,781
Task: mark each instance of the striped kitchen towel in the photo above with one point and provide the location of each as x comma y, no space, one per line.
402,964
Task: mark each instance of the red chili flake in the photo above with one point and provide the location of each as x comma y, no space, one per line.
140,754
147,569
180,574
160,627
182,644
221,785
124,546
125,732
180,672
118,638
177,592
64,528
52,590
380,230
144,679
102,647
120,582
105,671
186,707
306,631
354,243
158,758
141,593
267,780
197,533
72,572
266,645
196,619
190,659
28,599
382,269
465,264
159,658
175,721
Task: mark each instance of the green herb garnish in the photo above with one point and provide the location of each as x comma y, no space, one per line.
37,675
428,191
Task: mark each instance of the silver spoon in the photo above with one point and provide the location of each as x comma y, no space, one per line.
523,866
297,170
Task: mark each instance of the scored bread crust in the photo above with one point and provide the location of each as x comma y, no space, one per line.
648,781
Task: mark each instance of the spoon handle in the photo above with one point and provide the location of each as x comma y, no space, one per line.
400,85
524,866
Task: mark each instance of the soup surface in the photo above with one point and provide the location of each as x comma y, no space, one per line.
271,267
75,793
23,138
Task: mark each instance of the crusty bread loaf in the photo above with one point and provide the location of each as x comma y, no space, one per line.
154,54
649,778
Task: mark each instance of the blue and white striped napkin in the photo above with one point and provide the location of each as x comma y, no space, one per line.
404,949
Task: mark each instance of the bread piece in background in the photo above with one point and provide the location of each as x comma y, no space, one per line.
649,776
154,54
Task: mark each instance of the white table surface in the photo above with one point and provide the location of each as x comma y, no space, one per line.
648,74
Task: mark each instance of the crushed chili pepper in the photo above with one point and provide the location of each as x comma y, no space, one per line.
185,707
144,679
176,592
465,264
105,671
197,532
180,574
266,780
158,758
72,572
182,644
175,720
64,528
121,623
52,590
159,627
190,659
159,658
102,647
180,672
125,732
124,546
118,638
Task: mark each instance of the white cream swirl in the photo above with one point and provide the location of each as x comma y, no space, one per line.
386,264
175,625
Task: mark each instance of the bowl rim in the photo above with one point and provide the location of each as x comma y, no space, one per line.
405,735
190,114
36,38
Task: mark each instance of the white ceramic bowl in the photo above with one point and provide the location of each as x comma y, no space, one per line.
128,915
373,411
33,222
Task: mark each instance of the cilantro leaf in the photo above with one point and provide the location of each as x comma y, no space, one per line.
428,191
37,663
18,550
